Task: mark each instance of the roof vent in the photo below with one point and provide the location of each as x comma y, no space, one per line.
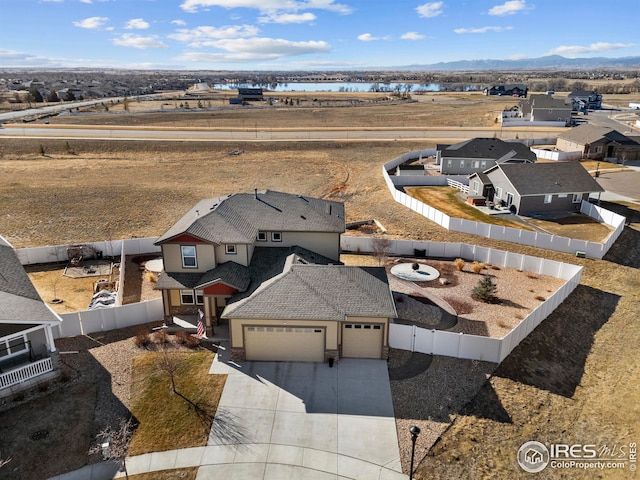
255,193
197,213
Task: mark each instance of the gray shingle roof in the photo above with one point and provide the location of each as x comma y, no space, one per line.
19,299
230,273
319,292
238,218
488,148
549,178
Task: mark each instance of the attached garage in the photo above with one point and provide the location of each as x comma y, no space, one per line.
293,344
362,340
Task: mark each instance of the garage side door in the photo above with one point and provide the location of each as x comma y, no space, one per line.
362,340
285,344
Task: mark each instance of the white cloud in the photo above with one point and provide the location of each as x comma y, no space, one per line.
255,49
138,41
571,50
482,29
180,23
430,10
288,18
367,37
12,58
267,5
136,24
92,22
412,36
508,8
199,34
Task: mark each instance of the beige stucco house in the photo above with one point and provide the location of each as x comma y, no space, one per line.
268,263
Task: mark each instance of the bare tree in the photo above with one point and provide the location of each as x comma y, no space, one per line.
114,443
169,363
380,247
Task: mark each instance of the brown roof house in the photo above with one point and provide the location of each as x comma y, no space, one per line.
268,264
599,143
479,154
535,187
28,353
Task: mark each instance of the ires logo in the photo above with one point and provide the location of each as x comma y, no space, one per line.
534,456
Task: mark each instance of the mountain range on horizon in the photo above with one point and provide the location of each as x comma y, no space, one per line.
550,61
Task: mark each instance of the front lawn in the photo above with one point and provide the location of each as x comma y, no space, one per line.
170,420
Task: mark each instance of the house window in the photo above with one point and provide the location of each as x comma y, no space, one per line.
230,249
461,163
577,198
498,192
476,164
598,148
548,198
199,297
262,236
476,187
189,257
483,164
449,163
186,297
276,236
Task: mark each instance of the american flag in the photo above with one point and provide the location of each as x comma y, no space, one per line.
200,331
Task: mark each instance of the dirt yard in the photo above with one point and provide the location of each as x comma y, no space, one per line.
571,380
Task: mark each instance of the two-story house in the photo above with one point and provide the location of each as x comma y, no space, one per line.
479,154
583,100
269,264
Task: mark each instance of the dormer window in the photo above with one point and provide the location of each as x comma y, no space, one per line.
262,236
276,236
230,249
189,257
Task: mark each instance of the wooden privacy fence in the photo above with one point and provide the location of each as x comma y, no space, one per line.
461,345
515,235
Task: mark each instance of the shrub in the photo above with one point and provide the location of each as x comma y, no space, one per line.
477,267
485,290
150,277
459,264
142,339
495,267
160,337
541,298
532,276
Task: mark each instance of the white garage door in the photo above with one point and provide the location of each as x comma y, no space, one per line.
362,340
286,344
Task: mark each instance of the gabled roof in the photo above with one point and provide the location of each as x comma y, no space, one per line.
19,299
548,178
488,148
587,133
326,292
238,218
582,93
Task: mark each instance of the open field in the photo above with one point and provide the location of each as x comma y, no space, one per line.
313,110
587,348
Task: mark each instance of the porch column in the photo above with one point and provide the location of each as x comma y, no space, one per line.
207,316
50,341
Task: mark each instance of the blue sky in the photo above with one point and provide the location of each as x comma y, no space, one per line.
307,34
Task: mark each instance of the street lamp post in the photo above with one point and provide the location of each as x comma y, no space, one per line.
415,431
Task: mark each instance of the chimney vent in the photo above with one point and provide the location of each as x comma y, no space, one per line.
255,193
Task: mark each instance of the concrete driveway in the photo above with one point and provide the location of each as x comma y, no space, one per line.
300,420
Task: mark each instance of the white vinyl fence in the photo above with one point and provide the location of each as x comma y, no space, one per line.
556,154
474,347
104,319
516,235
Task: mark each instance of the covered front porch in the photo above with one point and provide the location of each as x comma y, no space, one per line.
27,356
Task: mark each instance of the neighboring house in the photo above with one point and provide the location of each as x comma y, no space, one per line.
583,100
225,253
598,143
27,350
544,108
535,187
479,154
513,90
247,95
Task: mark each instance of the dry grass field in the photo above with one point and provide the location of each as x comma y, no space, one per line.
574,379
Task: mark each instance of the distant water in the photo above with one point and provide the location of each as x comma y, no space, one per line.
343,87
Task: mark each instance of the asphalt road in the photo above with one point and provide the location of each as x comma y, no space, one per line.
294,135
